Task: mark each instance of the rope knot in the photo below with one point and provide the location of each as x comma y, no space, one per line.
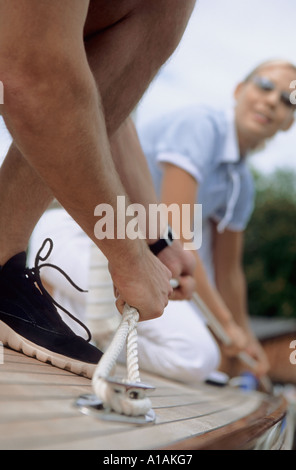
131,315
122,398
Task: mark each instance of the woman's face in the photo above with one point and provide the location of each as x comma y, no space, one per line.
263,104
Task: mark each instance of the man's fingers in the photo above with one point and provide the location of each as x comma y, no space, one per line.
120,303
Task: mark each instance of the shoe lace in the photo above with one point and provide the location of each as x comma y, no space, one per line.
34,275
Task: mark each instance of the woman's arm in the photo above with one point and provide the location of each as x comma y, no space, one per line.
229,275
179,187
231,284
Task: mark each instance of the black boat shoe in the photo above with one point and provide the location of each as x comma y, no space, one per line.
30,322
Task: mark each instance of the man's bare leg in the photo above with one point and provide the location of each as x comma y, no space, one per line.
21,209
135,29
80,205
126,57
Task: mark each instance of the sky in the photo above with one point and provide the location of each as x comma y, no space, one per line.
224,40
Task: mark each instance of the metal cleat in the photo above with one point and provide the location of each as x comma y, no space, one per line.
91,405
132,390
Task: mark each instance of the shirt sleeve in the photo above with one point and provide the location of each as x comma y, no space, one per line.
189,143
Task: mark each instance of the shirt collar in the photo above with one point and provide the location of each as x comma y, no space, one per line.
230,152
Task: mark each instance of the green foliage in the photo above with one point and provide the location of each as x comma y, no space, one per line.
270,246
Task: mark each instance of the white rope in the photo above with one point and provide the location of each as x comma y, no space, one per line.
121,402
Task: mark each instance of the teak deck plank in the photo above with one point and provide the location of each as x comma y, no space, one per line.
37,412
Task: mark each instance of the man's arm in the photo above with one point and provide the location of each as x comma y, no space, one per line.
52,109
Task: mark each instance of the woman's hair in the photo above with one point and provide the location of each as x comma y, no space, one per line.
272,62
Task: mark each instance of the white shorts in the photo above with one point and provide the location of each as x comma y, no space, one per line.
178,345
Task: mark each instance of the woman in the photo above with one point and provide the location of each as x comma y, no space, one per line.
199,155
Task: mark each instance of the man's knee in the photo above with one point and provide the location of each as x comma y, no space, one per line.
166,20
158,23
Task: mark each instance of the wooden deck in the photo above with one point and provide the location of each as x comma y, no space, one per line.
37,411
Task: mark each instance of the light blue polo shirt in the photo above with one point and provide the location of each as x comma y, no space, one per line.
203,141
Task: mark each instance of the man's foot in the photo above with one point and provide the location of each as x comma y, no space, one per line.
30,323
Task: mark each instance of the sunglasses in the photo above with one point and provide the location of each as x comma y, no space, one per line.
267,85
